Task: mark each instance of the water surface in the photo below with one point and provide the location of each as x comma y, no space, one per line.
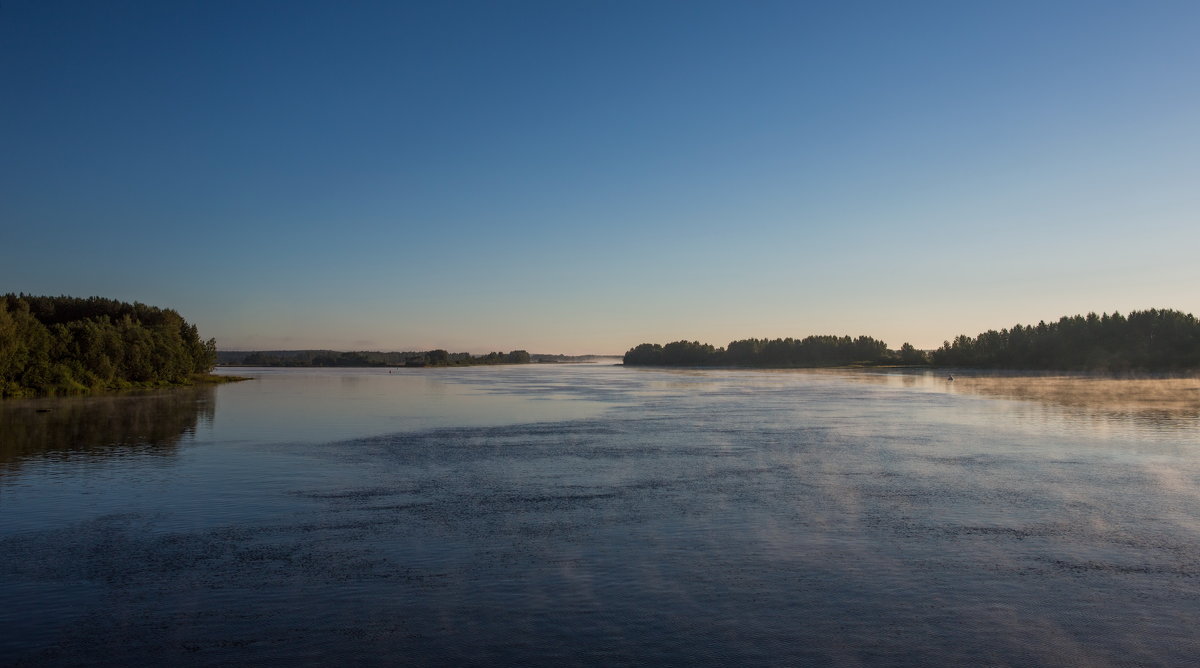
578,514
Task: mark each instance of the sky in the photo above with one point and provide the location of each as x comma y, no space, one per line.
581,177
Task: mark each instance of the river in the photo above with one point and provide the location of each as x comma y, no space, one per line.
568,514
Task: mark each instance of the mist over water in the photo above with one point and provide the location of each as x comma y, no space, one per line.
551,514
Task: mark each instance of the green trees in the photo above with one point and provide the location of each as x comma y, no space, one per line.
24,349
1153,340
53,344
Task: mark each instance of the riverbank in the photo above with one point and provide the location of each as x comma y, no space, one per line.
76,390
217,379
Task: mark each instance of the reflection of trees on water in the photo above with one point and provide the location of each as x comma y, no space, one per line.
135,423
1157,401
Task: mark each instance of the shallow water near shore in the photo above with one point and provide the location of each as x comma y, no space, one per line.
584,514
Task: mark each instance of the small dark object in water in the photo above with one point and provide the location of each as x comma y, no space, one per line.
44,410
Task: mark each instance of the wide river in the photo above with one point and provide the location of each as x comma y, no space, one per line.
570,514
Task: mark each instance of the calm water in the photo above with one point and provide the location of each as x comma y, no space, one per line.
587,514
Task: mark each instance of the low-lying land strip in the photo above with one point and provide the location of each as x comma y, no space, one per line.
1151,340
334,358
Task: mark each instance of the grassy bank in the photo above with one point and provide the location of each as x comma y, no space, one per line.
77,389
217,379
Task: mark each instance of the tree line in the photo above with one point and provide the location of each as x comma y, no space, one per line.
333,358
811,351
1152,340
71,344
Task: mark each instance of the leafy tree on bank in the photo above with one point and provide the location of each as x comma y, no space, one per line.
71,344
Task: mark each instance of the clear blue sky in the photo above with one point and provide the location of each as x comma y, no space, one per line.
574,176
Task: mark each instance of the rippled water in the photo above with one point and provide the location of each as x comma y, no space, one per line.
585,514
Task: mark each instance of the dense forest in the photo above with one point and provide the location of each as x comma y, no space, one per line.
70,344
1153,340
812,351
309,358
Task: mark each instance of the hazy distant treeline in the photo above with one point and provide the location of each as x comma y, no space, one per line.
71,344
812,351
333,358
1153,340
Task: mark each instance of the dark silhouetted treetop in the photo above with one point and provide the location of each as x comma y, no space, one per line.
70,344
1153,340
812,351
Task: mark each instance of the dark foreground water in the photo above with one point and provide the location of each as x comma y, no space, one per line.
586,514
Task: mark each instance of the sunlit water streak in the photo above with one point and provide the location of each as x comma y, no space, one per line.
551,514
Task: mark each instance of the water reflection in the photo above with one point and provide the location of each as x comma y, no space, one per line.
1161,403
63,428
292,406
601,515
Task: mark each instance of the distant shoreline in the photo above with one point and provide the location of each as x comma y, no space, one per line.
390,360
959,372
1151,340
